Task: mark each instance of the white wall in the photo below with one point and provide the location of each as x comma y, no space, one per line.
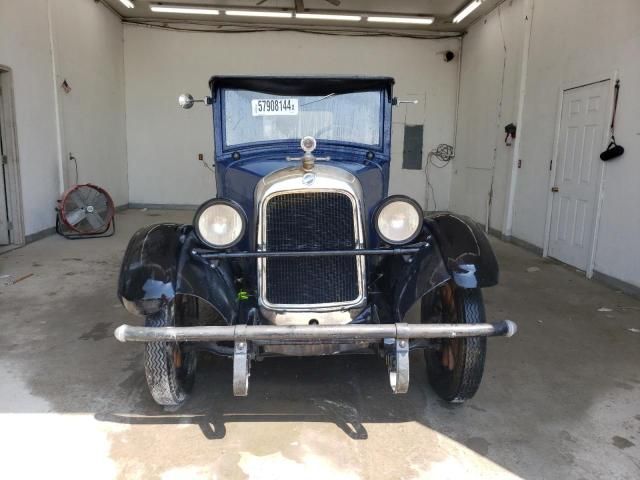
89,47
489,82
24,47
163,140
89,53
572,42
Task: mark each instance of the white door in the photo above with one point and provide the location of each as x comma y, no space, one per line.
4,220
582,126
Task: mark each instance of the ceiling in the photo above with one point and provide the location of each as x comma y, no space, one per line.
442,10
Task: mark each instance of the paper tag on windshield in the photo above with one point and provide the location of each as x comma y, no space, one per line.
274,106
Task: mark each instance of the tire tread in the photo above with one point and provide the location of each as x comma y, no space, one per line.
164,385
463,382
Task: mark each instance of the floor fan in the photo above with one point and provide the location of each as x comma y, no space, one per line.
85,211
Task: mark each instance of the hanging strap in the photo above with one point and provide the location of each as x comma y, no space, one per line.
615,108
613,150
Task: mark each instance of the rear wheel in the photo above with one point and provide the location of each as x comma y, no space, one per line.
455,367
169,370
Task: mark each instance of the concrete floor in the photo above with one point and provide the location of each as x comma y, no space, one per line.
559,400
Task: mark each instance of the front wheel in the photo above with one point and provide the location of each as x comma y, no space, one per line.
170,371
455,367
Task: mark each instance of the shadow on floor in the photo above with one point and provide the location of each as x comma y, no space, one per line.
347,391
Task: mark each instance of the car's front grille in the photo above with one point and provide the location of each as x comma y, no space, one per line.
310,221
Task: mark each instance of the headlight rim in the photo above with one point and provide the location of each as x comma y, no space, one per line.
216,201
395,198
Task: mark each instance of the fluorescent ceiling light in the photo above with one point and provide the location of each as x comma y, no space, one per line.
127,3
414,20
257,13
466,11
328,16
182,9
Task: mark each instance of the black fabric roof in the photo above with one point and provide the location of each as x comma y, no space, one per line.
302,85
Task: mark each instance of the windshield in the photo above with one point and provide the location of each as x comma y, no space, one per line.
259,117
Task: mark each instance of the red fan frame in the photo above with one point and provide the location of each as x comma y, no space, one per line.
111,210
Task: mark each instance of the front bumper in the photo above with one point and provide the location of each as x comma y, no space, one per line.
395,334
319,333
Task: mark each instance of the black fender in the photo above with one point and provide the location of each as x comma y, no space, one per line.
465,249
414,276
158,265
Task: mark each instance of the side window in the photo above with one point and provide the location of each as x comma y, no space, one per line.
412,150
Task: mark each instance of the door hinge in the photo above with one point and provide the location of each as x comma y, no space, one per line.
5,159
9,225
551,164
555,189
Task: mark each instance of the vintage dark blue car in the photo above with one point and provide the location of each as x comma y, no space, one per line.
303,252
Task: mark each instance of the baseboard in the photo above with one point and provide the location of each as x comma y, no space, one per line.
494,232
162,206
34,237
603,278
521,243
515,240
617,284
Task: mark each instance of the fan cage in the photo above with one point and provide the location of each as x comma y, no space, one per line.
76,199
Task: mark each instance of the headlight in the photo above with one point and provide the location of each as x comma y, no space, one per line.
398,220
220,223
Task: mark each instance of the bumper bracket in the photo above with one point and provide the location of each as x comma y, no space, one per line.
241,365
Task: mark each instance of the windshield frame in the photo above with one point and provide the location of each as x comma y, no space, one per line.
220,125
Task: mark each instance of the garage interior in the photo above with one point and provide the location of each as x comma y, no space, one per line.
88,94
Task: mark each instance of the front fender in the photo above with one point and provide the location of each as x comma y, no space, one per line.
158,265
456,249
407,278
425,272
465,249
